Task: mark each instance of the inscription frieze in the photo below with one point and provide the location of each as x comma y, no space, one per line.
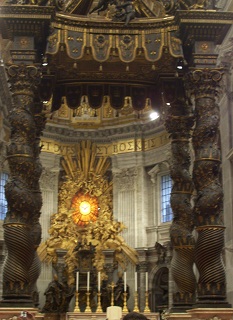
119,147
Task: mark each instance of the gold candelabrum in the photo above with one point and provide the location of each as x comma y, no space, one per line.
147,309
99,309
88,308
112,285
136,309
125,303
76,309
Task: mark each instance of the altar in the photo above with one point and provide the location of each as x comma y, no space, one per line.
103,315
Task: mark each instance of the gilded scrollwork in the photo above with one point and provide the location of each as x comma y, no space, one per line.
102,44
127,45
53,41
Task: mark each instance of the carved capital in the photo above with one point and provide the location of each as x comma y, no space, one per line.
204,81
24,79
48,179
142,267
126,179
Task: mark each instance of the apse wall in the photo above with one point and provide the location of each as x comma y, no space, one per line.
136,175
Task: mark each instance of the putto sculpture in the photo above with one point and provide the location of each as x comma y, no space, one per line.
102,5
124,10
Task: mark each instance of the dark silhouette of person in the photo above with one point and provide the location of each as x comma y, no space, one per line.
135,316
58,296
105,295
119,293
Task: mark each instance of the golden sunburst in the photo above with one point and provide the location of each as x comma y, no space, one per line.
85,208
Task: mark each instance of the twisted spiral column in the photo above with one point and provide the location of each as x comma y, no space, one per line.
179,122
208,208
36,231
22,232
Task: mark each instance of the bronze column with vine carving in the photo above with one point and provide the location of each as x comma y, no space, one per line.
22,230
208,207
179,122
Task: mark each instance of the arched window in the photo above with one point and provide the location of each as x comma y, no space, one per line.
165,193
3,202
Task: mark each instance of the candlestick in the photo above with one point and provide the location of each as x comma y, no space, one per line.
125,302
124,281
147,309
88,308
88,281
77,281
112,285
136,309
99,309
76,309
136,282
146,281
98,281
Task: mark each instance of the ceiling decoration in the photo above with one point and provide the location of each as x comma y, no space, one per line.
89,57
110,65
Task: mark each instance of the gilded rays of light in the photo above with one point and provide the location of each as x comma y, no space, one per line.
85,161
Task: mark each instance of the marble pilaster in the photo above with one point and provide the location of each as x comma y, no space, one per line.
49,189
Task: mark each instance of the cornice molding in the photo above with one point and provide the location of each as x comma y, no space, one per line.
193,24
66,134
26,11
34,20
101,22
